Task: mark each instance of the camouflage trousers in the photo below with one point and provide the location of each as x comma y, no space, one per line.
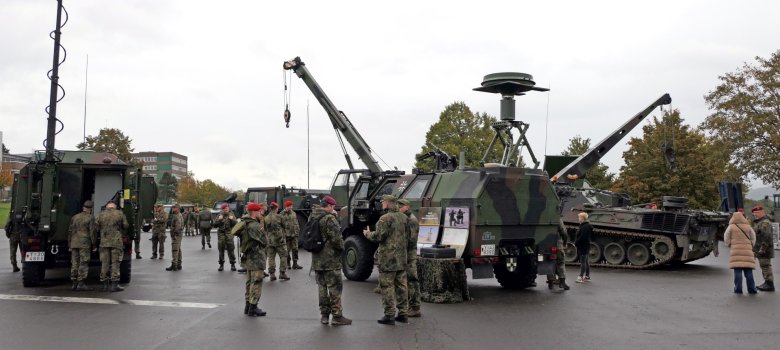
272,252
292,249
330,285
79,264
394,290
413,283
205,236
137,243
15,244
225,242
766,269
176,249
254,286
158,240
110,258
560,264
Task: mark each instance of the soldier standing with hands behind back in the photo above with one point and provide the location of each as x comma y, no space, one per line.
81,241
253,245
177,225
276,244
764,248
291,231
112,224
225,222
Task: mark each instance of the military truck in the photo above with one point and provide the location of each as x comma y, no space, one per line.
637,236
54,185
303,199
511,212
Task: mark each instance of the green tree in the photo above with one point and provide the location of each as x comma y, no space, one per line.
598,176
166,187
745,117
111,141
460,130
700,161
206,192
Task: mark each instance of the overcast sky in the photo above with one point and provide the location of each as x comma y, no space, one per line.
204,78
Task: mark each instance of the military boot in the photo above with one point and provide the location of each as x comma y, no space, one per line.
162,256
768,286
242,270
16,267
551,285
171,268
209,245
283,276
254,311
115,287
340,321
154,256
246,308
82,287
414,312
232,266
73,287
221,267
138,256
273,277
296,266
202,247
402,319
106,286
325,318
389,320
562,284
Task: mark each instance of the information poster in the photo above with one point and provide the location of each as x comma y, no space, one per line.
457,217
456,229
429,219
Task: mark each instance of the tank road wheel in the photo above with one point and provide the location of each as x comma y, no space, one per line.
32,274
522,277
125,267
638,254
615,253
662,249
358,258
594,254
570,253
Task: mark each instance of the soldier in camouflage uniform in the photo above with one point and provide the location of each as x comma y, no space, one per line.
112,225
177,226
204,224
186,219
560,262
194,221
81,240
253,245
327,264
764,248
14,241
276,243
225,222
391,234
411,259
291,231
158,231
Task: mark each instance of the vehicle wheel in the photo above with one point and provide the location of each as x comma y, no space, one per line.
594,254
638,254
358,258
33,274
662,248
522,277
125,267
615,253
570,253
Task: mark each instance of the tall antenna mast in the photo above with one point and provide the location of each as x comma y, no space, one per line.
55,86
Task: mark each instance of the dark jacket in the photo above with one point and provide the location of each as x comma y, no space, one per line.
582,242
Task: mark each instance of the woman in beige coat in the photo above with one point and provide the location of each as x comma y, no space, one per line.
741,238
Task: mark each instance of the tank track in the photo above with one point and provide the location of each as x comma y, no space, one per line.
653,238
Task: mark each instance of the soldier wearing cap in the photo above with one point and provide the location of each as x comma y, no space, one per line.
291,231
411,258
177,226
253,245
204,225
764,248
224,223
81,242
327,264
112,224
391,234
276,243
158,231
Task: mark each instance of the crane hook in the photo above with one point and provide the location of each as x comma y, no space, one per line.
287,116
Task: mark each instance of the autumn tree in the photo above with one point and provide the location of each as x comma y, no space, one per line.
459,130
745,117
111,141
6,180
598,176
700,164
206,192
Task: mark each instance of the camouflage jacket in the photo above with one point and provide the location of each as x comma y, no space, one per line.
10,230
290,223
563,236
81,232
111,224
253,244
177,224
273,227
391,234
204,219
225,223
159,222
329,258
414,226
764,248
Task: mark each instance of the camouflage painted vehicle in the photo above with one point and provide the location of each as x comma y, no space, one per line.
303,199
625,235
511,213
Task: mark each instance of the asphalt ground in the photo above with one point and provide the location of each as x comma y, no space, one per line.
687,307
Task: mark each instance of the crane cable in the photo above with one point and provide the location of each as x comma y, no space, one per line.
287,97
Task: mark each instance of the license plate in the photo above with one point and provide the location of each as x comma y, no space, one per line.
541,257
35,256
488,249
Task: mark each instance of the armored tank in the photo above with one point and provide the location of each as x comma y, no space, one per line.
632,236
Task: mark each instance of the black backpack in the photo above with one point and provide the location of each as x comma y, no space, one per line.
311,239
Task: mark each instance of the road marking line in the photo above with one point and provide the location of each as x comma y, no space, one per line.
108,301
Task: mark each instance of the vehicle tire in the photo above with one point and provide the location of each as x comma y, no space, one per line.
523,277
595,253
125,269
358,258
33,274
570,253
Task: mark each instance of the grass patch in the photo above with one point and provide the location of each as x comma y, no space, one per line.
4,209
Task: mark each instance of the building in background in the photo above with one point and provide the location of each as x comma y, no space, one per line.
158,163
